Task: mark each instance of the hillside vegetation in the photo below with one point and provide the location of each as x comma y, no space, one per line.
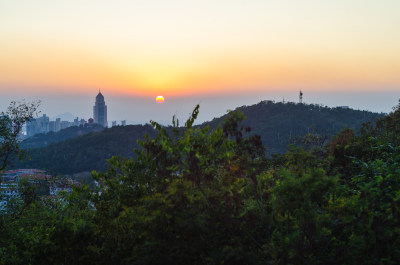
211,196
277,124
87,152
45,139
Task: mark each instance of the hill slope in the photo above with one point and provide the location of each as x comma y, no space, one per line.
41,140
276,123
87,152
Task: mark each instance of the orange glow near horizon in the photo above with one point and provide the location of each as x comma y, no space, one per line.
50,76
60,69
185,49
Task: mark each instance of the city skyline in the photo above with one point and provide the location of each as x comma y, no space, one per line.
45,124
210,107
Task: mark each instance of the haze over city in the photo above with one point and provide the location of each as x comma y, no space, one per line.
221,54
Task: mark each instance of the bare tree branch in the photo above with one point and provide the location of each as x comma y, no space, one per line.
11,122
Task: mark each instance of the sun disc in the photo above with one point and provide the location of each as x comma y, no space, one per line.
160,99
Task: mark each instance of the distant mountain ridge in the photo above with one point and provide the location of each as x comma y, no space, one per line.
276,123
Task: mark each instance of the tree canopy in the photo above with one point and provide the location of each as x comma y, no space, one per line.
211,196
277,124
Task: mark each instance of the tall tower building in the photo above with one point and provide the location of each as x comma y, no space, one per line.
100,111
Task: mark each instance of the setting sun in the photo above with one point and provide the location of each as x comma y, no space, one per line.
160,99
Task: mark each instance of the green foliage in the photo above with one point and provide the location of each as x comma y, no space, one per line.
195,195
374,230
46,230
302,199
86,152
279,124
180,198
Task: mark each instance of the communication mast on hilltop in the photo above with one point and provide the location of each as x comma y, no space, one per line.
301,97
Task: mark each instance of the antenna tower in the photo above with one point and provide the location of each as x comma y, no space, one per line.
301,97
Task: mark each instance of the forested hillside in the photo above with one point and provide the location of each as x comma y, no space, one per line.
88,152
277,124
201,196
42,139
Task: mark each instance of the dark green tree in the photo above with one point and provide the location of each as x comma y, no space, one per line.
11,122
179,201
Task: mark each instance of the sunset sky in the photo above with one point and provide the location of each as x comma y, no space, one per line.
221,54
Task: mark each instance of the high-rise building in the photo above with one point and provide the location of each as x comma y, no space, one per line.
38,125
31,127
52,126
43,123
58,124
100,111
64,125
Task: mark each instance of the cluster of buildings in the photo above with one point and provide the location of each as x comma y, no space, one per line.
47,186
114,123
44,125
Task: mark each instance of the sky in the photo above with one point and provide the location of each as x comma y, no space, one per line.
217,53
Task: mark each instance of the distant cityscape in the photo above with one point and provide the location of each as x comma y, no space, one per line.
45,125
